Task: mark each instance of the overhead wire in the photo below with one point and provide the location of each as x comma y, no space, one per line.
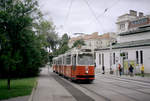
68,14
93,13
106,9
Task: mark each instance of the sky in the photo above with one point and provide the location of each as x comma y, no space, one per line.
88,16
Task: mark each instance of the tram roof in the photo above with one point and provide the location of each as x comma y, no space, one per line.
79,51
75,51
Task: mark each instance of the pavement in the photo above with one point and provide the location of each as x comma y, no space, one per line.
48,89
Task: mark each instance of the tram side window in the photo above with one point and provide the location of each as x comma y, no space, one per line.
64,60
56,62
60,61
74,60
68,59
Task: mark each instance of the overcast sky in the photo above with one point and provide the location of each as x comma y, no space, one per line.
76,16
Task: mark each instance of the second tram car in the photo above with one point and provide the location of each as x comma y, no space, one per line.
76,64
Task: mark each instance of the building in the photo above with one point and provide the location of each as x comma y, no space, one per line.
132,47
131,22
94,40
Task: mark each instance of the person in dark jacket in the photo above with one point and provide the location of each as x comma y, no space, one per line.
131,70
103,68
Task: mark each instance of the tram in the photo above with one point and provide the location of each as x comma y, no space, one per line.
76,64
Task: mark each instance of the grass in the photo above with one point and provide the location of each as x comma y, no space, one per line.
19,87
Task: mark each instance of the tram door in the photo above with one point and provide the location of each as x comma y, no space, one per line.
73,65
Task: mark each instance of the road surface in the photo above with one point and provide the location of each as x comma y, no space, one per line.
104,88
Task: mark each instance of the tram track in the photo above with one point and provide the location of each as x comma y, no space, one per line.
126,79
113,91
117,85
76,93
94,92
88,91
104,97
140,84
84,89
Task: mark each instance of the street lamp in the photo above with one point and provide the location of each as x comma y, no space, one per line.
111,71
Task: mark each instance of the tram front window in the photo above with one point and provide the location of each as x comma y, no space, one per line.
85,59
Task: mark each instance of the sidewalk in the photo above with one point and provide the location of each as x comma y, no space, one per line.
135,78
48,89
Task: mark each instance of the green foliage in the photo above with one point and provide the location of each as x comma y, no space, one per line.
63,45
46,30
20,87
64,39
78,43
22,52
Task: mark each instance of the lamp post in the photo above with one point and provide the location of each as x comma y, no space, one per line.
111,71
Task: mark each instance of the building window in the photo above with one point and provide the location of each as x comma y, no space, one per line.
137,57
102,59
141,55
122,26
126,55
114,58
99,59
96,42
89,43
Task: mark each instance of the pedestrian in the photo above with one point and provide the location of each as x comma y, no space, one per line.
142,70
103,68
111,71
120,69
94,65
131,70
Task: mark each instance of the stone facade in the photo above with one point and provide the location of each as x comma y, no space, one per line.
94,41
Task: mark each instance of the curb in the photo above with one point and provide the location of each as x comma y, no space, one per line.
33,90
127,78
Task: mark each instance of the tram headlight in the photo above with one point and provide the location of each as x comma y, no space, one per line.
86,70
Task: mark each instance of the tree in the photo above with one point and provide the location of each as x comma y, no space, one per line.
21,52
78,43
46,30
63,45
64,39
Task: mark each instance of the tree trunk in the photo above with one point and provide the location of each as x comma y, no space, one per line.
8,79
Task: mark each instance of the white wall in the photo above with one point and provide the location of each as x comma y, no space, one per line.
106,60
131,57
146,53
134,37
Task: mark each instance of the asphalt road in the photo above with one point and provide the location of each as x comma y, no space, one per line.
106,89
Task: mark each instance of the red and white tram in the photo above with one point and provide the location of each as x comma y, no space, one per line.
76,64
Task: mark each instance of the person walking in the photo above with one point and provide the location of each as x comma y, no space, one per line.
120,69
103,68
131,70
142,70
